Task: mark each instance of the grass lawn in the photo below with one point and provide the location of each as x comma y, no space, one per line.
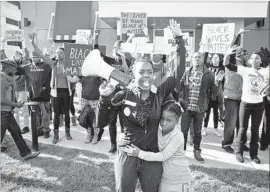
72,170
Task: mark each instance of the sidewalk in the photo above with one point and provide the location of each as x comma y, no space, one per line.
214,155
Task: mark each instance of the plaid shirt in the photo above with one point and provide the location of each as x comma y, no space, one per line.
194,83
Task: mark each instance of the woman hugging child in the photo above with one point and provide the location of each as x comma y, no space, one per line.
176,175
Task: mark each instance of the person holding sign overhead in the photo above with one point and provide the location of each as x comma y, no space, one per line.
140,107
60,88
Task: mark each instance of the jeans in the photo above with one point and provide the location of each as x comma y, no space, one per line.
265,136
9,123
197,119
43,116
128,169
255,110
214,105
62,100
230,122
22,96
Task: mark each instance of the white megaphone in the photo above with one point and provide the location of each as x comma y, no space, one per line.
94,65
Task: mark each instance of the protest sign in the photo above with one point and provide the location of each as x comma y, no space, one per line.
133,22
13,35
75,55
168,36
82,36
216,38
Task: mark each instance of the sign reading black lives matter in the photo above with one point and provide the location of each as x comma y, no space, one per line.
216,38
133,22
75,55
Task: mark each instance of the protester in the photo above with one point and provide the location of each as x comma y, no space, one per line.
60,88
176,174
218,71
38,76
21,93
8,103
254,80
120,62
197,86
141,118
89,96
232,99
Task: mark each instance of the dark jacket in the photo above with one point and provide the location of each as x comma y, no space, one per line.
38,79
143,137
90,87
208,88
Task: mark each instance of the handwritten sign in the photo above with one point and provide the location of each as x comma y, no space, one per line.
75,55
133,22
216,38
14,35
82,36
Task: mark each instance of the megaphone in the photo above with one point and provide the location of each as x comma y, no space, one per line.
94,65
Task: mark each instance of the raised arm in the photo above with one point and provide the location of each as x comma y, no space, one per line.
39,52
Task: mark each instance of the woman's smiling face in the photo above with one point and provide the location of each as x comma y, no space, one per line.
143,73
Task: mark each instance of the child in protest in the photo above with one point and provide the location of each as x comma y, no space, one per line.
176,173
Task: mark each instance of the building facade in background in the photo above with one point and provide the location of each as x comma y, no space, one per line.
10,19
57,22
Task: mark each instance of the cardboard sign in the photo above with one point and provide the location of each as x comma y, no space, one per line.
75,55
82,36
133,22
14,35
216,38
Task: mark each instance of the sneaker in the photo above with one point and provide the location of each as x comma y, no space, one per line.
3,149
245,148
256,160
25,130
31,155
113,149
197,156
204,131
239,157
228,149
217,133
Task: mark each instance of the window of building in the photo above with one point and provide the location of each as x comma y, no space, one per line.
12,21
17,3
